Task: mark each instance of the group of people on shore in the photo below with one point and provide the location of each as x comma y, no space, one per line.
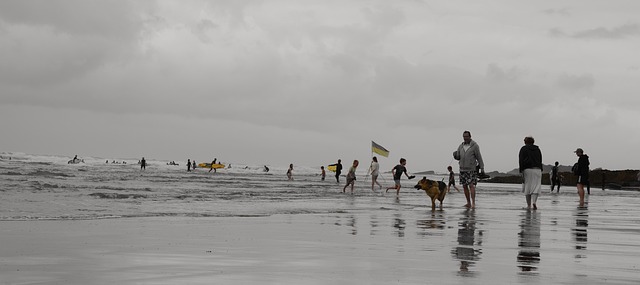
470,161
471,169
530,161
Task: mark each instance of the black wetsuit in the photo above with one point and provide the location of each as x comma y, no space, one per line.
338,171
555,179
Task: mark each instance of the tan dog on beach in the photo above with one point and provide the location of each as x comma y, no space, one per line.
435,190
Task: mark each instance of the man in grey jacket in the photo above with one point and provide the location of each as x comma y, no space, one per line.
468,154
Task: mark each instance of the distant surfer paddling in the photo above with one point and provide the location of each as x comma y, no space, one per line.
73,161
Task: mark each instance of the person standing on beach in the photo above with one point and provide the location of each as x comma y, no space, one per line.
323,174
397,174
582,172
469,157
338,170
193,165
351,176
555,179
374,169
530,161
188,165
143,164
290,172
452,179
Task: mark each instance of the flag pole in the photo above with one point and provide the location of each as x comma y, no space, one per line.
367,176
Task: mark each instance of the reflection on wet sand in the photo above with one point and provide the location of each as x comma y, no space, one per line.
579,232
529,241
399,224
352,224
398,221
373,222
466,251
436,221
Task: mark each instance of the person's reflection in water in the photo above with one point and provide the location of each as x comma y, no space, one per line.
398,222
352,223
436,222
373,222
466,251
580,231
529,241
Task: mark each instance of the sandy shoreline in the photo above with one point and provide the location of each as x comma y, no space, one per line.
402,245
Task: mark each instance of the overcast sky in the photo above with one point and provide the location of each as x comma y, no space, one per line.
308,82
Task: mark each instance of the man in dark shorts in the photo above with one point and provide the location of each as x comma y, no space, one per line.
468,154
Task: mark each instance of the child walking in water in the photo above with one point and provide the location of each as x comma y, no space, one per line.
397,174
351,176
375,170
452,180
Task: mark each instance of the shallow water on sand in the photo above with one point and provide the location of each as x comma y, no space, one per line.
265,229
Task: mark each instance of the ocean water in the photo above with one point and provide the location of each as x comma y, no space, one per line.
381,237
47,187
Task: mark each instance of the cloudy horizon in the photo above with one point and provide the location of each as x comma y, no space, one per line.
308,82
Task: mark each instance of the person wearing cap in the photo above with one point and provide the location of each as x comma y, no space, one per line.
530,160
469,157
583,173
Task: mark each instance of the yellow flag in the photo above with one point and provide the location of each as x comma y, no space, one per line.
379,149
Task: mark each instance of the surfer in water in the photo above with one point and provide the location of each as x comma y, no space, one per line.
338,170
212,163
143,164
290,172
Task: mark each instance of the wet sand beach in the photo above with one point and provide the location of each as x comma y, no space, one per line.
97,223
399,243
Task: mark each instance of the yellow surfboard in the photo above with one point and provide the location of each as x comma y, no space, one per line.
332,168
208,165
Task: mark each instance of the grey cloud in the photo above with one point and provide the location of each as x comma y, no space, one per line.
560,12
557,33
497,73
613,33
202,29
576,82
49,42
619,32
76,17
